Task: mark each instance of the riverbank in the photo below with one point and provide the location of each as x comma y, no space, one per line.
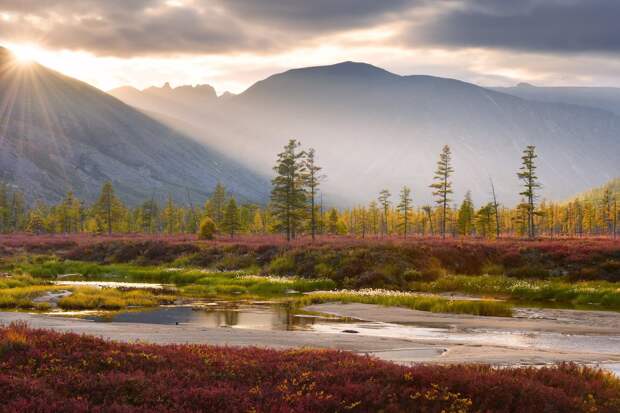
434,338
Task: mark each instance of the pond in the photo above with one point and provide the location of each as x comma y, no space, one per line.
226,315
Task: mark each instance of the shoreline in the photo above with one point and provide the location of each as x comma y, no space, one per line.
400,350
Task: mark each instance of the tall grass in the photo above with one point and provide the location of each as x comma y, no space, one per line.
413,301
600,294
87,298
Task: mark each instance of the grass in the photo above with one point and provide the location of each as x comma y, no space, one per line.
413,301
19,292
599,294
87,298
47,371
192,281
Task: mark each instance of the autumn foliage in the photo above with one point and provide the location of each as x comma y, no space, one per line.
46,372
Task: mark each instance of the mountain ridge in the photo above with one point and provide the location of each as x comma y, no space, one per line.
376,129
60,134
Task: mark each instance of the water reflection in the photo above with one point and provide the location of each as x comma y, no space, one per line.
256,317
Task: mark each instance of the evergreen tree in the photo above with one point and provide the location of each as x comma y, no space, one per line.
108,208
313,179
216,204
527,174
170,216
288,194
230,222
404,208
332,222
465,221
384,202
443,186
484,221
495,206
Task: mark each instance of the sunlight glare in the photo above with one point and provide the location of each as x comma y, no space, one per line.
26,54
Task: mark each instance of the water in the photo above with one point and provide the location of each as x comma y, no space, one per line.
509,338
114,284
246,316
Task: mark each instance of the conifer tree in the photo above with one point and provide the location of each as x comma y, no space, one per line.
332,222
108,208
313,179
443,186
230,222
465,220
404,208
216,204
384,203
288,194
527,174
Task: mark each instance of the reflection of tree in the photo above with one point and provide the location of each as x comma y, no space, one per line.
231,317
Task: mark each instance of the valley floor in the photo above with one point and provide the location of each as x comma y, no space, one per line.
534,337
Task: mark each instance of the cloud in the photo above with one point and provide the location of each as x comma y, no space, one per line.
127,28
159,27
556,26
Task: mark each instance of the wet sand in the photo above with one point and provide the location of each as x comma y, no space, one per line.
401,350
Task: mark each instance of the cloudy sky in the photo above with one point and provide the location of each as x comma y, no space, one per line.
233,43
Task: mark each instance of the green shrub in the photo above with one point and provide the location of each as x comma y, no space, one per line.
282,265
207,229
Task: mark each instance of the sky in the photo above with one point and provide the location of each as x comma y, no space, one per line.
231,44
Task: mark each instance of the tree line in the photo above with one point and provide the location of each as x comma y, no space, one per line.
296,208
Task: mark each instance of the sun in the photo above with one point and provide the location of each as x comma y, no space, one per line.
26,53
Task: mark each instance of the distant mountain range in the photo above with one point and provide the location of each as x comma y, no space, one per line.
373,129
59,134
605,98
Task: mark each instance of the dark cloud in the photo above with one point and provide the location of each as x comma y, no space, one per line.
319,14
127,28
143,27
149,27
531,25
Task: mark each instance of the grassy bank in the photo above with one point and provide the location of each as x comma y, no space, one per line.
19,293
37,373
595,294
413,301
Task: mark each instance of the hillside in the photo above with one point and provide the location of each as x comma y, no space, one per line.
605,98
58,134
374,129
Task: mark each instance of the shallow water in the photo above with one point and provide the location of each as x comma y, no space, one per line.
247,316
113,284
529,339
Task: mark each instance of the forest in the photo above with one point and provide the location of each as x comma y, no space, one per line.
297,209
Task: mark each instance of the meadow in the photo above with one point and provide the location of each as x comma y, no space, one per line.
46,371
577,273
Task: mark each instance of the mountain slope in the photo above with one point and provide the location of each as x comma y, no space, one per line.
605,98
59,134
373,129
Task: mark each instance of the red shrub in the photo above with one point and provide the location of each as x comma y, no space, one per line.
66,372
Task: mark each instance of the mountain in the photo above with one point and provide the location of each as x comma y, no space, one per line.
174,102
605,98
59,134
373,129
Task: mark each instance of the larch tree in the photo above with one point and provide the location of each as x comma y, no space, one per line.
313,180
404,208
495,207
527,175
108,208
216,204
288,193
466,216
443,186
231,223
384,202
